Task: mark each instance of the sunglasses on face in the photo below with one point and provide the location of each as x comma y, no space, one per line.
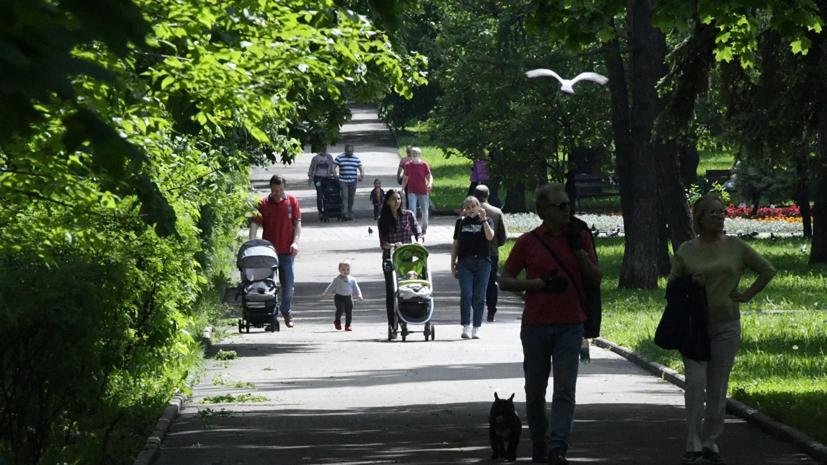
561,206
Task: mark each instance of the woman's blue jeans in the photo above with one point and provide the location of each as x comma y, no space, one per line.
317,181
546,347
473,273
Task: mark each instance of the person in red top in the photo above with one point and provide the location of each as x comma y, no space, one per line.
280,217
552,327
418,180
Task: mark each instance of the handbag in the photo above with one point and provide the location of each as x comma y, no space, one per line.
590,302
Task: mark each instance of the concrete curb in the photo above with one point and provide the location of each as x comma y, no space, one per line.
153,442
813,448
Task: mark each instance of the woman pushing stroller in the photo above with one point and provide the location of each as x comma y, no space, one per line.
396,227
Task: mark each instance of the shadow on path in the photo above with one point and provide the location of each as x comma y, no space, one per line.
435,434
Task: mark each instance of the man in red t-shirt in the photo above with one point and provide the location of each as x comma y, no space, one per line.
553,319
281,219
418,180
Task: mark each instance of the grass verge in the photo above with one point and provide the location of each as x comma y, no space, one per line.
781,367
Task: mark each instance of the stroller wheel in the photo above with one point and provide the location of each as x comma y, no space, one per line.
240,325
427,331
404,332
433,333
247,327
276,324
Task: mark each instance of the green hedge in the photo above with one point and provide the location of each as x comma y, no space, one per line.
96,338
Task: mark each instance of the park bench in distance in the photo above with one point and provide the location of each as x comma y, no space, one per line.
593,185
722,177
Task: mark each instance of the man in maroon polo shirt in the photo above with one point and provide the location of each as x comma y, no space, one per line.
281,218
552,327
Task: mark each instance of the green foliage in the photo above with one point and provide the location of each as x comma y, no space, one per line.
767,184
226,355
210,90
694,193
221,380
127,130
232,399
525,127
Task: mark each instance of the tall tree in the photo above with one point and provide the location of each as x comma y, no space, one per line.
526,128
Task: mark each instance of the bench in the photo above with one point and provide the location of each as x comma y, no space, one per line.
722,177
591,185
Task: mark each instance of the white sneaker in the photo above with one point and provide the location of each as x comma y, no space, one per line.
466,332
475,334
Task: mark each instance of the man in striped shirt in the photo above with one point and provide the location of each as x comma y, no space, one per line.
345,167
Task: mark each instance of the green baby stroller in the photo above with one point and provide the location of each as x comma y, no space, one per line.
413,302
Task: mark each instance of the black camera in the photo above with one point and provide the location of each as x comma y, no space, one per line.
555,284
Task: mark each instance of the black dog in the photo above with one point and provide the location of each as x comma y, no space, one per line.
504,426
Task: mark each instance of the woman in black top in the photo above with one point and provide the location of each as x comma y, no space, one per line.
470,263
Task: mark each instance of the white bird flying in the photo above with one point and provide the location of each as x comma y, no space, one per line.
566,84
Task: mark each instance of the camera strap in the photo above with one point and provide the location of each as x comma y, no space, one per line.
560,265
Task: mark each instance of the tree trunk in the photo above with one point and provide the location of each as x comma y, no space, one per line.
542,172
515,199
818,252
672,194
638,171
803,197
664,265
689,159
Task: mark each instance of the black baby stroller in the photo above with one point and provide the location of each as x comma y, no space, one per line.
414,293
259,288
332,204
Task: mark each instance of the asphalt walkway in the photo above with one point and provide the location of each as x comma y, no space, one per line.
355,398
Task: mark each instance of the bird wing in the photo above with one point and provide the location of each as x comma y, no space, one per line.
590,77
543,72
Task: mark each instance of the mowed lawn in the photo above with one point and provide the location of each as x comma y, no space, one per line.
781,367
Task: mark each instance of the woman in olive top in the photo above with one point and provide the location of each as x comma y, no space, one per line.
716,263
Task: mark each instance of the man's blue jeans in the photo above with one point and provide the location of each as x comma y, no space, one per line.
473,273
493,292
543,344
287,281
424,203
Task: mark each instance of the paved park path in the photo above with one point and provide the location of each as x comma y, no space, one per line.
355,398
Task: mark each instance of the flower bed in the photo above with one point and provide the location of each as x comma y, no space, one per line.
771,212
607,224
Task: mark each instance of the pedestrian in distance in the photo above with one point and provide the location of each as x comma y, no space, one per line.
320,166
714,262
396,227
280,217
471,264
557,261
481,192
345,288
348,168
377,198
401,171
479,175
418,180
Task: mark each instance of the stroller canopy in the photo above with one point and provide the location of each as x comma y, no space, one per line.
257,253
410,257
